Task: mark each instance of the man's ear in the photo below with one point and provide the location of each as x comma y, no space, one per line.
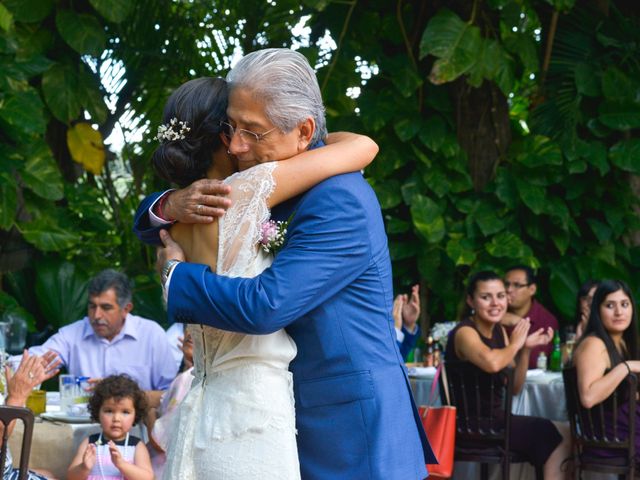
533,289
306,130
128,307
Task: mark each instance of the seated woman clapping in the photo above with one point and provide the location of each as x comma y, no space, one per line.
481,340
608,351
32,371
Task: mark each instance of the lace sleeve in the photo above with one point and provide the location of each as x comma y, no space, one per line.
240,225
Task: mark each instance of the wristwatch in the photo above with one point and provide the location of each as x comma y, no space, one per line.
166,269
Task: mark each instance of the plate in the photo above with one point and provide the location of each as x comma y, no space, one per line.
62,417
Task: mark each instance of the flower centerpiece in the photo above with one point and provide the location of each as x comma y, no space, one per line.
440,332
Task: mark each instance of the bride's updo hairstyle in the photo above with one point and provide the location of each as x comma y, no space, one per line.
190,130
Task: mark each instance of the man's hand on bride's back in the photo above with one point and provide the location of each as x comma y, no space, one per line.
200,202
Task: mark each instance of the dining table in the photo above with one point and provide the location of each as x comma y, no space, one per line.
56,437
542,396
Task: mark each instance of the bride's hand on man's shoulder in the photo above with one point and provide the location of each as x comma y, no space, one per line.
200,202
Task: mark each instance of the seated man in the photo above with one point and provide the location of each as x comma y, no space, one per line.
520,282
109,340
406,311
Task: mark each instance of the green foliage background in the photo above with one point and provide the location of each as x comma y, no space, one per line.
508,133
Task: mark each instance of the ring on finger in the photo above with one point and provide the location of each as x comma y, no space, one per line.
31,375
199,208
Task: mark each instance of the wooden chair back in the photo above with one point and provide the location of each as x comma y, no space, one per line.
8,415
601,428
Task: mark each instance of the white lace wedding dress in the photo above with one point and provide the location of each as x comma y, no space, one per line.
238,419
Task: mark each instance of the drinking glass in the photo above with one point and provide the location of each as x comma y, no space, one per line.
67,392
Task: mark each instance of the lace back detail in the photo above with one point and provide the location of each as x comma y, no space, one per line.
240,226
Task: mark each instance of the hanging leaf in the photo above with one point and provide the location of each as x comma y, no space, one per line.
25,111
486,216
620,116
47,235
460,251
60,88
427,218
388,193
533,196
455,43
86,147
29,11
618,87
432,133
626,155
563,285
6,19
538,150
92,98
587,80
41,173
113,10
82,32
508,245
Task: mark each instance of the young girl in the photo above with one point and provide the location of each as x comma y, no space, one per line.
117,404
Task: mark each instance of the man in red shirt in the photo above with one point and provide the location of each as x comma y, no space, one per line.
520,282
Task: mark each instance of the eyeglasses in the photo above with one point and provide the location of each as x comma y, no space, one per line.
515,285
246,136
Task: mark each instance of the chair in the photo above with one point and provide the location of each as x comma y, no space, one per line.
597,428
7,415
483,431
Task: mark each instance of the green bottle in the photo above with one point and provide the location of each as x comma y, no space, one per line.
555,361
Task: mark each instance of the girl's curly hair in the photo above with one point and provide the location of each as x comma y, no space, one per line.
118,387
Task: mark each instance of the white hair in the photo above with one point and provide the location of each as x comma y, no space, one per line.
286,83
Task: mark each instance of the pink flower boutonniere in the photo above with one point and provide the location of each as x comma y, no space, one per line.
272,234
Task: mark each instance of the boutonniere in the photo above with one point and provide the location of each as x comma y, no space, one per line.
273,233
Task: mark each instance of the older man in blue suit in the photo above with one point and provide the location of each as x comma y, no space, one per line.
330,286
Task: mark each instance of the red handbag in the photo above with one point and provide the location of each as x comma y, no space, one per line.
440,426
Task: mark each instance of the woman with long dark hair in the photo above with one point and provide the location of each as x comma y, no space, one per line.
480,339
608,351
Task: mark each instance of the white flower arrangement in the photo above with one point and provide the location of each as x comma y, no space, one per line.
440,332
174,130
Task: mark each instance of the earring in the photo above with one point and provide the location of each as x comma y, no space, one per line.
228,152
472,312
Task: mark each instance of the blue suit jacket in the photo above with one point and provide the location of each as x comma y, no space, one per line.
330,287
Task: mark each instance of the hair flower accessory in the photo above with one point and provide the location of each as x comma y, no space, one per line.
272,234
174,130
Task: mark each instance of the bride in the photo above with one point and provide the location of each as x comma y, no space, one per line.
238,419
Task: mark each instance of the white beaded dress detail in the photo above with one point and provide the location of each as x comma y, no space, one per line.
238,419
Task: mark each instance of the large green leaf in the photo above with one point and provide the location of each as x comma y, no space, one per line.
41,174
509,245
25,111
455,43
60,86
494,64
61,290
618,87
113,10
432,132
92,98
427,218
461,251
533,196
563,285
34,65
388,193
82,32
601,230
620,116
626,155
6,19
586,80
48,235
29,11
486,216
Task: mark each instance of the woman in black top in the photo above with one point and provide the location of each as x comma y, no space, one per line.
481,340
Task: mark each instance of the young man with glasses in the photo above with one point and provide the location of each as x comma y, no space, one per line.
520,282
